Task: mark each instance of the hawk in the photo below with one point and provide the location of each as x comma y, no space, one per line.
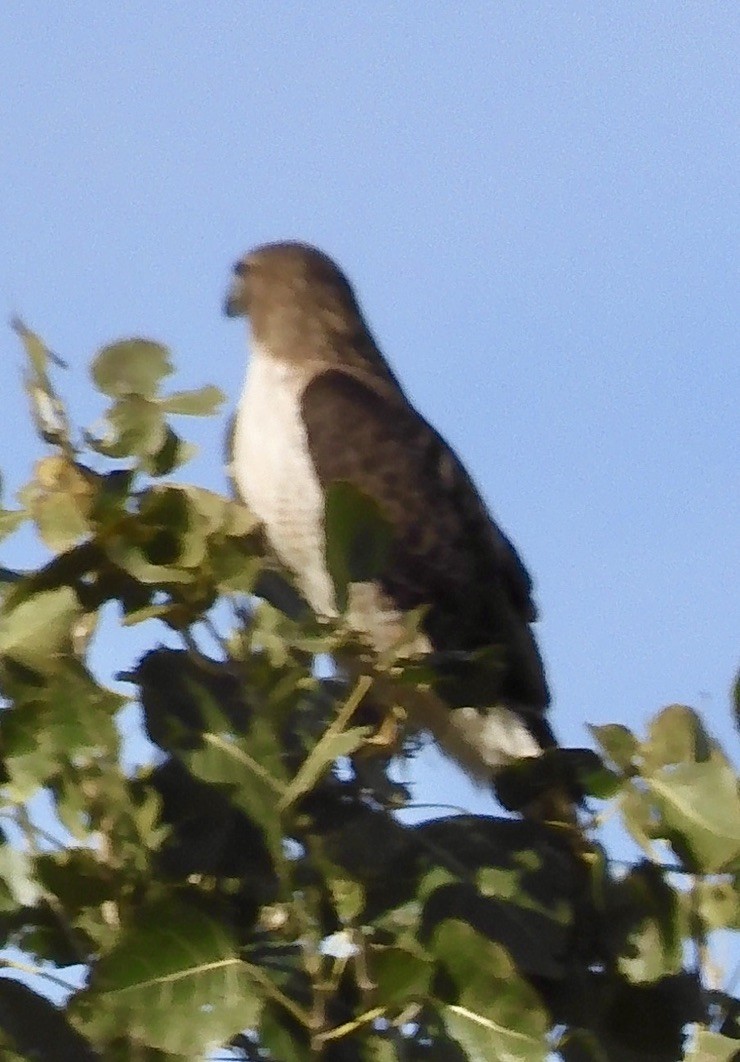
321,405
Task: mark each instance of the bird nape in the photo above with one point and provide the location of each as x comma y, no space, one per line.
321,406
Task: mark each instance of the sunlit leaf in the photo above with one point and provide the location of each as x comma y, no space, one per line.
46,407
618,743
358,538
327,752
131,367
700,804
37,632
712,1047
60,499
172,960
718,903
202,402
676,735
18,886
10,519
135,427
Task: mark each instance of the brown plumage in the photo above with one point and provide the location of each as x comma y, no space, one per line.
322,405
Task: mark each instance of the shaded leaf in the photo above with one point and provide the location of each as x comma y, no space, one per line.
70,718
642,920
39,1029
401,976
497,1014
173,453
251,770
358,538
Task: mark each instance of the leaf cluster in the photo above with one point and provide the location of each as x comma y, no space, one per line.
253,892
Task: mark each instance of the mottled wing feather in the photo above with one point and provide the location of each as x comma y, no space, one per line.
447,552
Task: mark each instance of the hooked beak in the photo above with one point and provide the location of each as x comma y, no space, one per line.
233,303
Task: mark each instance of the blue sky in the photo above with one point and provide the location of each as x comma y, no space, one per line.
539,206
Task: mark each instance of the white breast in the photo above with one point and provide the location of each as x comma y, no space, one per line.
272,468
274,473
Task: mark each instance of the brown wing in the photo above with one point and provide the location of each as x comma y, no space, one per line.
447,552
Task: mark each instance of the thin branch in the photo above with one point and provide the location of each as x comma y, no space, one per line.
336,727
36,971
275,993
349,1026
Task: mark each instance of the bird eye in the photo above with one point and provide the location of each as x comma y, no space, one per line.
241,268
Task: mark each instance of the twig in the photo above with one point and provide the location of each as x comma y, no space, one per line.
275,993
36,971
336,727
349,1026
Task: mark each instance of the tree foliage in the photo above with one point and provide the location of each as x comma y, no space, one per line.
252,893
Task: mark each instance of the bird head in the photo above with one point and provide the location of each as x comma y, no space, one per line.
297,299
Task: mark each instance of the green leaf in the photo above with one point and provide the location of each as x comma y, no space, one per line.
358,538
37,632
131,367
70,718
136,428
401,976
60,499
47,409
718,903
202,402
712,1047
36,350
251,770
700,806
497,1015
174,981
642,918
19,886
348,897
322,756
173,453
60,521
10,519
280,1040
618,743
676,735
638,816
484,1039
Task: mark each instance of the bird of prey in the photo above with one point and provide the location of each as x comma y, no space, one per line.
321,405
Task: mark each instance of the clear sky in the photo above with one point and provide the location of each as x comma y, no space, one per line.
539,206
